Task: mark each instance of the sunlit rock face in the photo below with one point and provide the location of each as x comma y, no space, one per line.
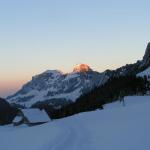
82,68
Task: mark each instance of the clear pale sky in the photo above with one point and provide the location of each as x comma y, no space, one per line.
37,35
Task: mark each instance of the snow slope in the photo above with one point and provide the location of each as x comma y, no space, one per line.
145,72
128,101
120,128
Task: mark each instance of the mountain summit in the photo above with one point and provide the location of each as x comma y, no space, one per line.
146,58
82,68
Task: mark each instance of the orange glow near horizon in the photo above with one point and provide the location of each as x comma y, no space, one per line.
8,87
12,82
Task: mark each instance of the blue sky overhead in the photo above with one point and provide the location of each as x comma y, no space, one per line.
37,35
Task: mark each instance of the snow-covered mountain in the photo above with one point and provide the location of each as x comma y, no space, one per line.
56,88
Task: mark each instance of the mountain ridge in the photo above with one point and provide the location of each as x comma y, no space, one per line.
57,88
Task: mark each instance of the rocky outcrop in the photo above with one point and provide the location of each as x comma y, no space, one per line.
146,58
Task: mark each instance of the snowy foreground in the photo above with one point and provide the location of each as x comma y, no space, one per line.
114,128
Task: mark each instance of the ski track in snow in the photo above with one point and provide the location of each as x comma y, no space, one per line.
73,138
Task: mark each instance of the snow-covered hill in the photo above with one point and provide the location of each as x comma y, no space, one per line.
114,128
56,88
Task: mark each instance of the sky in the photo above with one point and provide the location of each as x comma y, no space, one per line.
39,35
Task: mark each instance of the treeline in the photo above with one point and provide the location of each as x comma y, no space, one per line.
7,112
114,89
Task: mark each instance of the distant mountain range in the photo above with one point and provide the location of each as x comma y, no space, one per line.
56,88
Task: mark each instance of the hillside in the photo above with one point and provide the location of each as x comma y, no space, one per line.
114,128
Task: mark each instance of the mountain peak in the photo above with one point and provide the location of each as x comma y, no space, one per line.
146,57
82,68
53,72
